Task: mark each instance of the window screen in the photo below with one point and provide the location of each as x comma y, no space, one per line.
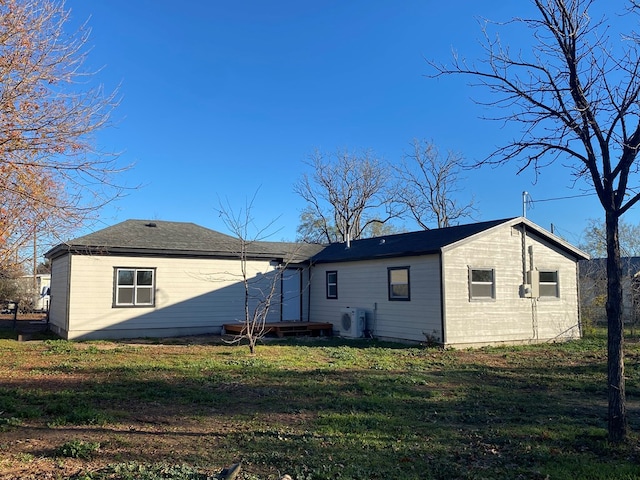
548,281
481,283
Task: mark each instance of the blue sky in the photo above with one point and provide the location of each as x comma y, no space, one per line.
221,99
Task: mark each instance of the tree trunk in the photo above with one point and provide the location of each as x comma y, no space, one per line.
617,416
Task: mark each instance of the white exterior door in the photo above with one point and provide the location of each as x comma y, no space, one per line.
291,306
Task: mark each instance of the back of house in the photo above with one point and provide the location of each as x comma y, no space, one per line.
503,281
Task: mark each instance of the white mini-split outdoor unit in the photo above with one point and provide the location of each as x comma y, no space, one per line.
352,322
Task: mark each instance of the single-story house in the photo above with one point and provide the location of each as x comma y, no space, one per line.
484,283
503,281
154,278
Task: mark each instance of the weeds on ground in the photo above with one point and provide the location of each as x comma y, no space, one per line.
324,410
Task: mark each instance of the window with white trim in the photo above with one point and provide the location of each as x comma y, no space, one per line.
482,284
399,283
134,287
548,283
332,284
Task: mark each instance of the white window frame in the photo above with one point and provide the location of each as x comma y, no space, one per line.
330,285
481,283
135,288
543,286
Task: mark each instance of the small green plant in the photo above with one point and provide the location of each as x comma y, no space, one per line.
139,471
78,449
8,423
59,347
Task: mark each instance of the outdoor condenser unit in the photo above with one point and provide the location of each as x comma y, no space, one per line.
352,322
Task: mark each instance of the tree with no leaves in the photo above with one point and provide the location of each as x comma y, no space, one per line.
346,194
51,177
428,186
576,94
595,239
261,289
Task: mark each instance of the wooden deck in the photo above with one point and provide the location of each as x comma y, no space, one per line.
282,329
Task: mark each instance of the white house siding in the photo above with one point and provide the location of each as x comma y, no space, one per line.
364,285
192,296
509,317
58,308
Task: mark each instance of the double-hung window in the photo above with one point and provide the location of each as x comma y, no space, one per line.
332,284
398,278
482,284
548,283
134,287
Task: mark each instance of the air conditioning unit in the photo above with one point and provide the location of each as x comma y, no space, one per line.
352,322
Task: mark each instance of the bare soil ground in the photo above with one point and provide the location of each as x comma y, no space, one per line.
153,432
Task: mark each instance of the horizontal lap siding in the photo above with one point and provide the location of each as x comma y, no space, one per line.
191,294
364,285
509,317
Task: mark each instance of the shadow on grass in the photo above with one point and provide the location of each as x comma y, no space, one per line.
444,415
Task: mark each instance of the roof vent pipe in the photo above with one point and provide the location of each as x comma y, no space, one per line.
150,224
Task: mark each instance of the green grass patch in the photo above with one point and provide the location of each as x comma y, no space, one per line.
325,409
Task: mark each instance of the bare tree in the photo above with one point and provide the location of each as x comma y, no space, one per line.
347,194
51,176
429,185
261,292
595,239
576,94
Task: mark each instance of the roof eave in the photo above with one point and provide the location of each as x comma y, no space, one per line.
412,253
564,245
63,249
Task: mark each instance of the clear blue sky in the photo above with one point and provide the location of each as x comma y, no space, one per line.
222,98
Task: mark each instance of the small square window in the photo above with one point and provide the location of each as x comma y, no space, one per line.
398,278
481,283
134,287
332,284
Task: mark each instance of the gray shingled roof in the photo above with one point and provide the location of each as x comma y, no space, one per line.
154,237
177,239
403,244
423,242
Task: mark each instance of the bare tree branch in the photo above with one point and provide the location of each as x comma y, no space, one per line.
347,195
428,186
576,95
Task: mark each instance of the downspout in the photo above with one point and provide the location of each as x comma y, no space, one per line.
534,305
282,274
443,310
524,254
68,299
308,289
300,296
579,309
534,300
